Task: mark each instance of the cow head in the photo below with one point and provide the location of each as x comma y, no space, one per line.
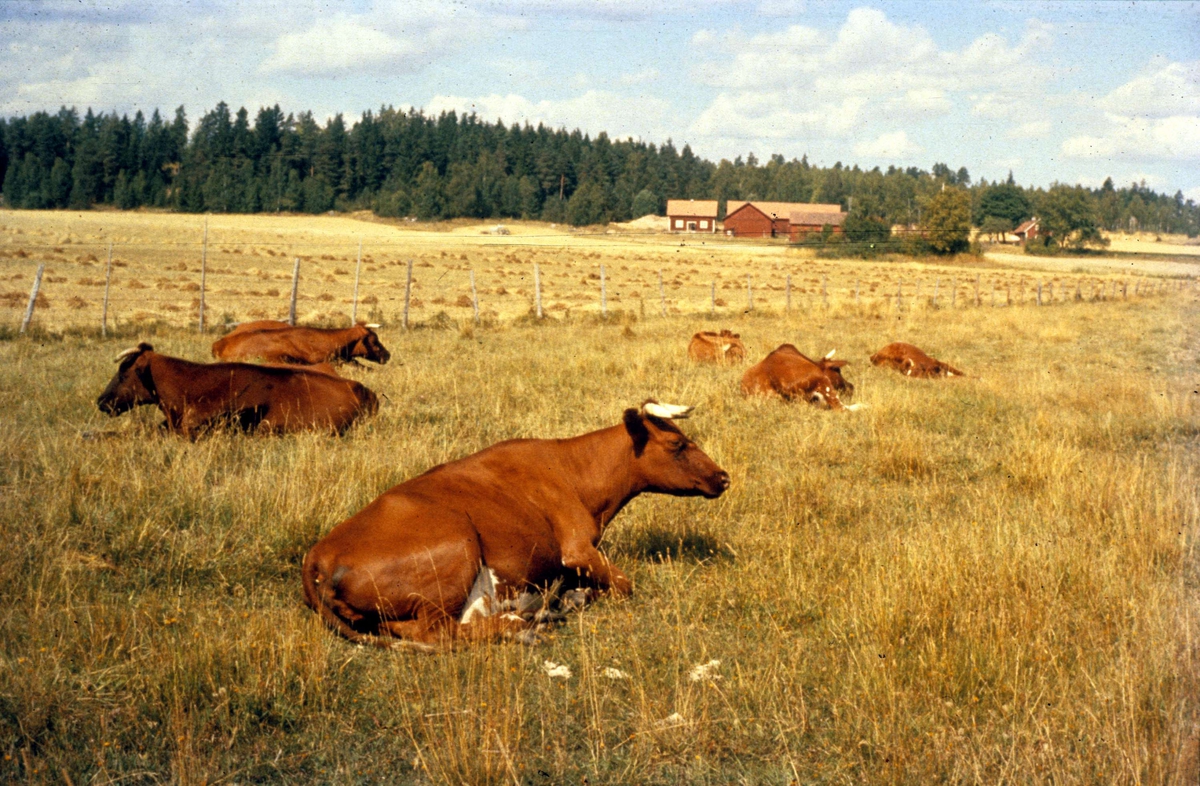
369,347
133,383
931,369
665,460
833,369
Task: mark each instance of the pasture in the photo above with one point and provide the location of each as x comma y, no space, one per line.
984,580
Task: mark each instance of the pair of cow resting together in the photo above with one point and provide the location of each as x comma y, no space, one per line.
277,396
790,374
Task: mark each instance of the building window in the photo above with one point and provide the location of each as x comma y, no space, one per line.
679,223
703,224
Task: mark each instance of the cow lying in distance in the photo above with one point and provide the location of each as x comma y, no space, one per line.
196,396
300,345
791,375
912,362
440,557
723,347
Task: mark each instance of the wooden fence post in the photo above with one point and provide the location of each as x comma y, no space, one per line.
1050,286
474,298
203,271
407,294
537,287
295,289
33,293
993,305
1039,294
977,301
1007,295
713,294
603,293
937,284
107,284
953,292
917,295
357,272
749,294
899,293
856,291
824,292
1078,291
787,288
662,295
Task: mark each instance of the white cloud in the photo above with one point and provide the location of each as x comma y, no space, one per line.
1169,90
1176,138
1035,129
337,48
893,145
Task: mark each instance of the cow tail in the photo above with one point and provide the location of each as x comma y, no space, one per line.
313,597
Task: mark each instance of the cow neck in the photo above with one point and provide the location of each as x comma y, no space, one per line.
602,463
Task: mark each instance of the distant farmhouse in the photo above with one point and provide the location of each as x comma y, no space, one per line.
692,215
1028,230
777,219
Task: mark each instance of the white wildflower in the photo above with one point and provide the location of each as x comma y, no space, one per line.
674,719
556,671
705,671
613,674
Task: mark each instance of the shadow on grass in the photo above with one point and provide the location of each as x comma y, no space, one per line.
661,545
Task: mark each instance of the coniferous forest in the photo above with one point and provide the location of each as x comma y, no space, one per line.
405,163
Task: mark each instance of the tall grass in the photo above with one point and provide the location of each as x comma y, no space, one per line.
984,580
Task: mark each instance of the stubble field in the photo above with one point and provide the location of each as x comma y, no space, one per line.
988,580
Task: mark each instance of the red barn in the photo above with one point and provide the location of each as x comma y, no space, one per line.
1029,230
802,223
692,215
773,219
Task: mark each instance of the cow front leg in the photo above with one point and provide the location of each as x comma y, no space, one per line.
587,561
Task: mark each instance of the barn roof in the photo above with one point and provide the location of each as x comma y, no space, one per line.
816,218
1026,226
695,208
782,209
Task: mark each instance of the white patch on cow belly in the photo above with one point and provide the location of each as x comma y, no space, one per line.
481,601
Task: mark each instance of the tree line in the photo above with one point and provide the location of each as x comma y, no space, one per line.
406,163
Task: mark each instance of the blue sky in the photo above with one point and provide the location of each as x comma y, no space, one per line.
1067,91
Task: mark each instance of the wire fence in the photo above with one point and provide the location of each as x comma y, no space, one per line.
99,287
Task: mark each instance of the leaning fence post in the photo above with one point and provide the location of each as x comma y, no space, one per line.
749,294
357,272
603,293
204,272
33,293
107,283
787,288
295,288
662,296
474,298
537,287
407,293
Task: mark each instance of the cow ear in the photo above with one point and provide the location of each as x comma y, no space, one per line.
636,427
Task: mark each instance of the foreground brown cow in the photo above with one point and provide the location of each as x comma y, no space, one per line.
302,345
723,347
434,559
791,375
912,362
195,396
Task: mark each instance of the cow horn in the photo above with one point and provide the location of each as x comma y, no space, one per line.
665,411
373,325
127,353
828,356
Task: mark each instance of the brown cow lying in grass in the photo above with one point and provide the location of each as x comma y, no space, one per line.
912,362
723,347
791,375
196,396
275,342
440,557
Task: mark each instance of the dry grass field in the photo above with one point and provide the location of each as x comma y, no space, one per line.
986,580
